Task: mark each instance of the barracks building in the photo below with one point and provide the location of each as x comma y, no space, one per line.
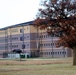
28,39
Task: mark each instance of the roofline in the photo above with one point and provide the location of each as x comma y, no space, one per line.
18,25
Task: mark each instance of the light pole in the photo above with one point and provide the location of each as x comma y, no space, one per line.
38,44
10,39
23,39
6,42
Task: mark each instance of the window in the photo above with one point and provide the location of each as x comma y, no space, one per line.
44,36
14,30
41,44
60,52
55,52
64,52
46,53
52,53
48,44
21,38
6,39
15,38
49,53
27,28
21,30
52,44
27,44
23,46
27,36
14,46
44,44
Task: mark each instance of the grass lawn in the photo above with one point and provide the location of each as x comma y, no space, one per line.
59,66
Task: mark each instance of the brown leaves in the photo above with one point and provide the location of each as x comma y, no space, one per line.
59,17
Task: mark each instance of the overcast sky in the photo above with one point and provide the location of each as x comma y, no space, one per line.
17,11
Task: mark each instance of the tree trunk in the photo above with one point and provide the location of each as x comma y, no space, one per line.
74,55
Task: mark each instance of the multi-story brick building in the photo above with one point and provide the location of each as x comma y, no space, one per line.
35,42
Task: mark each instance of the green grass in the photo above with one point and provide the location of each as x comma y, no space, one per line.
37,67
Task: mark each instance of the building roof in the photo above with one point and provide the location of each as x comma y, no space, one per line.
18,25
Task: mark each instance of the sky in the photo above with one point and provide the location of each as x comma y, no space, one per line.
17,11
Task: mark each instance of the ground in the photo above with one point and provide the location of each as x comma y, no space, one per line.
51,66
